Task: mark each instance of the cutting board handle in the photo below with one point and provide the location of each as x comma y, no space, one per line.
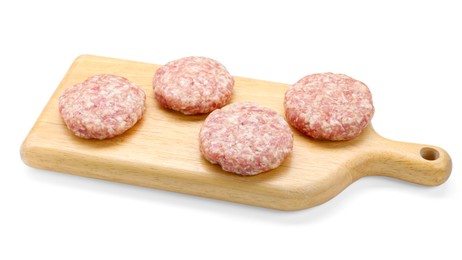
418,163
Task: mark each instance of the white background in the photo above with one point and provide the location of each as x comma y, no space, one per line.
408,53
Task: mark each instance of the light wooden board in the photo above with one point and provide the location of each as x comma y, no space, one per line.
161,151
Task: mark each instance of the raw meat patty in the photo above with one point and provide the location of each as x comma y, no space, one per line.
245,138
329,106
193,85
101,107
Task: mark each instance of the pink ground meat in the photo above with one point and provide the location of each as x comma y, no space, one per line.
245,138
193,85
329,106
101,107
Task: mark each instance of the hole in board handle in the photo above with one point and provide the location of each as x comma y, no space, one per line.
429,154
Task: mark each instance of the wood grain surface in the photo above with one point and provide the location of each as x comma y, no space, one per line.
161,151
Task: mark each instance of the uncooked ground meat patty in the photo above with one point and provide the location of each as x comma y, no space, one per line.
193,85
101,107
245,138
329,106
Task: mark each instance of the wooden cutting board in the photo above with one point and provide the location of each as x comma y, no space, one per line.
161,151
